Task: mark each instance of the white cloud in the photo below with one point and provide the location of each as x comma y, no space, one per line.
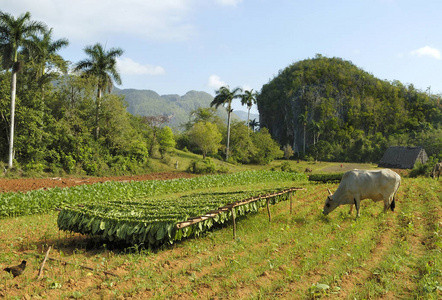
129,67
427,51
92,20
215,82
229,2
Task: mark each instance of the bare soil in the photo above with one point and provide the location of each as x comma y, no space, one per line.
28,184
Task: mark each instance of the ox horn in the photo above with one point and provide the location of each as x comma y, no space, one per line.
329,191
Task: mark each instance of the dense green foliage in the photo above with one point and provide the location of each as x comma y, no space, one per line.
206,137
56,129
202,166
336,111
72,126
67,121
246,146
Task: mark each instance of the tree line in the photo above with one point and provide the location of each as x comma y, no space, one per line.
59,116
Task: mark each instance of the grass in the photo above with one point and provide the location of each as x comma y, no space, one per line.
303,255
185,158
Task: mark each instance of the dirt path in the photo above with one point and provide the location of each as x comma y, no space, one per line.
28,184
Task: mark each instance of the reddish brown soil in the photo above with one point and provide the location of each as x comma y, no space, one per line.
27,184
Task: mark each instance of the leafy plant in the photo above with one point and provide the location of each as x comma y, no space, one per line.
202,166
152,221
318,290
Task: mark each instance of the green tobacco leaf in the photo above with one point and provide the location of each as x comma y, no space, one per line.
162,229
96,226
152,222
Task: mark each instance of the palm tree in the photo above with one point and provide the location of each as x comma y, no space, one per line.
45,56
316,128
248,98
224,97
303,120
101,66
15,34
253,123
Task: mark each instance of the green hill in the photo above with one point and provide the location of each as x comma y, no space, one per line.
337,111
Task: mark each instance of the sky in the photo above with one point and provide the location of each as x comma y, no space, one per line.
174,46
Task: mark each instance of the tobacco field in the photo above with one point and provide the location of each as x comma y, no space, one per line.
303,255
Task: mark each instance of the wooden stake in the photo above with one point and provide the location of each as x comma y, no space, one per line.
291,202
268,210
40,273
68,263
234,223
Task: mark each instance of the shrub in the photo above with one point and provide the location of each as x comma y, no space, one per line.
203,166
423,169
285,167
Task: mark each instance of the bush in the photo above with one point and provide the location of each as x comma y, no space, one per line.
423,169
223,170
285,167
202,166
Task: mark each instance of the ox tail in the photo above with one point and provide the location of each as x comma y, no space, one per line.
393,203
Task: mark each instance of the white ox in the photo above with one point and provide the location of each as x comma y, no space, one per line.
357,185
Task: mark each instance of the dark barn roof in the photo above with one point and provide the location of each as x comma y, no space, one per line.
398,157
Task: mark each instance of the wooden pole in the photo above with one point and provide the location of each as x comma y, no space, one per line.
268,210
68,263
40,273
291,202
234,223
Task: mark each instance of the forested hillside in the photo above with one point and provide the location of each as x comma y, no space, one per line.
330,109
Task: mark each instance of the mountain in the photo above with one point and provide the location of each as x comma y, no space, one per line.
150,103
243,115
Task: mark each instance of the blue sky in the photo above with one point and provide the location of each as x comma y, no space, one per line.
173,46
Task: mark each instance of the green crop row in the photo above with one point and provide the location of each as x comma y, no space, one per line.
43,201
329,177
153,222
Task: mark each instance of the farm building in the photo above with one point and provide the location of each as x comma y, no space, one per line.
399,157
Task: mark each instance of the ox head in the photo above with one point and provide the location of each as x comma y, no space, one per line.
330,204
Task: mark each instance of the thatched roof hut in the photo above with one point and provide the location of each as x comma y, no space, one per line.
398,157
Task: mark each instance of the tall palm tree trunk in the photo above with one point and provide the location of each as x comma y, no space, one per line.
11,133
97,114
303,148
248,121
228,134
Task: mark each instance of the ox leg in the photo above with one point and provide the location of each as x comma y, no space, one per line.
358,206
389,204
351,209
